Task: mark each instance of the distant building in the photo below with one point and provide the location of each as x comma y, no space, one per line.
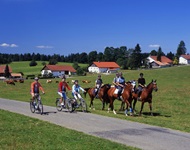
103,67
184,59
154,63
57,70
2,70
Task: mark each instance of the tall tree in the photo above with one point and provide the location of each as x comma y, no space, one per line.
92,56
159,54
7,71
181,49
135,59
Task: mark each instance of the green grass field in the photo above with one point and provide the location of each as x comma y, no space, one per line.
170,103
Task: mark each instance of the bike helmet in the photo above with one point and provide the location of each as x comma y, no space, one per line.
36,78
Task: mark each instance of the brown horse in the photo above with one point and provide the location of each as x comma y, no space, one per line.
102,95
126,97
146,96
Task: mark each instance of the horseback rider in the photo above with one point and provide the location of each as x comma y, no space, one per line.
120,84
141,85
115,80
98,84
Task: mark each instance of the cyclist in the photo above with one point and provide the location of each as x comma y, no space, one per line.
62,90
35,89
76,90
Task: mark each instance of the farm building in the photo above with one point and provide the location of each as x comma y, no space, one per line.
184,59
104,67
57,70
2,70
165,62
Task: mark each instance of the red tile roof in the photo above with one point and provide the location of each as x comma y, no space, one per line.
164,59
186,57
106,64
2,69
59,68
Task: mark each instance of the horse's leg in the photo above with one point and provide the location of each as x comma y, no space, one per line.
150,106
142,105
127,105
134,103
122,106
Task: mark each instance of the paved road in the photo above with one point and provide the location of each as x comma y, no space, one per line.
122,131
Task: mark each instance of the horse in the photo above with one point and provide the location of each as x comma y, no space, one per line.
126,97
146,96
102,95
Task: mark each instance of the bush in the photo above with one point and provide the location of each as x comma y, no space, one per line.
33,63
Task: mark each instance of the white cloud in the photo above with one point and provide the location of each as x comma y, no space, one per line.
154,46
44,47
8,45
13,45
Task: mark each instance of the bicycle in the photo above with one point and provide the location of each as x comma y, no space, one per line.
81,105
36,104
68,104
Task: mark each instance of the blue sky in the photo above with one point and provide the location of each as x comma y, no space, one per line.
75,26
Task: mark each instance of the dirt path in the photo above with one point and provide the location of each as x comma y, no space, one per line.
122,131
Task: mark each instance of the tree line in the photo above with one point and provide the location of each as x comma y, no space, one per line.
127,58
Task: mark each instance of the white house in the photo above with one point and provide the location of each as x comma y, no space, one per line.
165,62
184,59
103,67
57,70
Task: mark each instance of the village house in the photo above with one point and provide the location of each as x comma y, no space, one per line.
2,70
57,70
103,67
154,63
184,59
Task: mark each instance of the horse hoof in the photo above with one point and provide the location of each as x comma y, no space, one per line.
126,115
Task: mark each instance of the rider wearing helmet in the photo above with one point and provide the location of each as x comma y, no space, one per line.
115,80
121,84
98,84
141,84
76,90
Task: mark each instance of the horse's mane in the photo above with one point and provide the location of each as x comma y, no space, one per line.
151,83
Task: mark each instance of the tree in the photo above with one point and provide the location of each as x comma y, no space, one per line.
181,49
33,63
135,59
7,72
159,54
52,61
92,56
153,53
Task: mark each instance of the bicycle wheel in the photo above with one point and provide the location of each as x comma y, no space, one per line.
32,107
58,104
40,107
83,105
69,105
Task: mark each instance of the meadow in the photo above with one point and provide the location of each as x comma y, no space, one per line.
170,103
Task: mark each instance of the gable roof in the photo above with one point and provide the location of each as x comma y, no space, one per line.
106,64
186,57
59,68
164,59
2,69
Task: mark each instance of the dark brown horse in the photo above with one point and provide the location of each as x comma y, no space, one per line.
146,96
126,97
102,95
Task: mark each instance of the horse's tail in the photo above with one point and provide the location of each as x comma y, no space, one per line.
86,89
